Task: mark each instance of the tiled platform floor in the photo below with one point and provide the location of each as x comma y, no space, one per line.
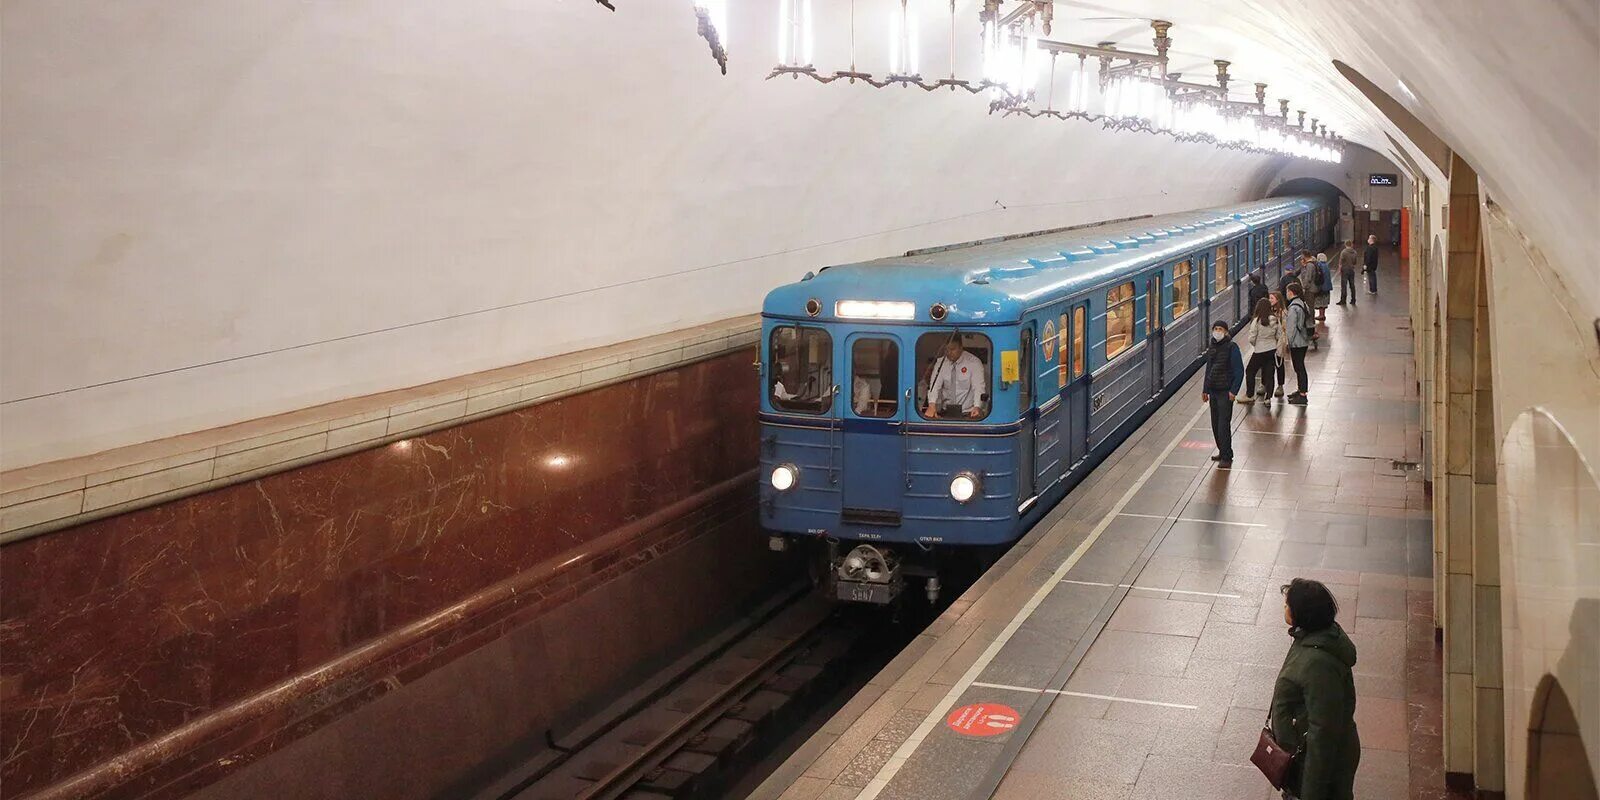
1137,631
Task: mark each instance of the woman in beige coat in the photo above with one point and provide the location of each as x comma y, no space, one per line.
1260,345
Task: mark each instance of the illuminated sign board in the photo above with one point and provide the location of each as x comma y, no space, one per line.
1383,179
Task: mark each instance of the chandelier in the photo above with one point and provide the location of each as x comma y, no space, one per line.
1120,89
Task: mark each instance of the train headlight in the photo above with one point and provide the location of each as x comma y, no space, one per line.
963,487
784,477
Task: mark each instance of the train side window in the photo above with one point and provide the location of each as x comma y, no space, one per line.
1119,319
1182,280
1152,304
1079,334
800,369
875,377
954,388
1219,277
1064,347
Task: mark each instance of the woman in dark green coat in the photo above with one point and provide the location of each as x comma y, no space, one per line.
1314,700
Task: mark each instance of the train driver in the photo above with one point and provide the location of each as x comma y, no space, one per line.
958,384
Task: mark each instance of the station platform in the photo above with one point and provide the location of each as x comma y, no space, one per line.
1127,647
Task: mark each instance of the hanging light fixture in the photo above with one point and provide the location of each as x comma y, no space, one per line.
795,33
1136,91
902,41
712,21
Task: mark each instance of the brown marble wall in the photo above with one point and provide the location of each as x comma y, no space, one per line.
136,650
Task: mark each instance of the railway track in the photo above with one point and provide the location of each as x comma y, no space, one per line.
691,731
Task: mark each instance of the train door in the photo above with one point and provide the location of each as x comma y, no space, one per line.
1153,331
1027,444
874,409
1074,427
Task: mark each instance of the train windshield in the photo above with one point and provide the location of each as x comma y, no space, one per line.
801,369
953,375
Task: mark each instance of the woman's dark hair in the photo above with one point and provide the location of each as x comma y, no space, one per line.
1311,605
1264,311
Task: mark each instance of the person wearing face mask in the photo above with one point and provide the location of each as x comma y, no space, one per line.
1224,373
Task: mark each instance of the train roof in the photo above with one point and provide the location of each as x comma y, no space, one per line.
998,281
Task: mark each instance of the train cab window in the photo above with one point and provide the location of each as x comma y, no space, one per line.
1079,334
1219,277
875,377
953,371
1119,319
1182,278
800,369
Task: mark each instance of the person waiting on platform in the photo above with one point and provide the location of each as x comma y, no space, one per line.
1282,361
1314,698
1370,260
1292,272
1298,324
958,385
1257,291
1324,290
1349,259
1224,373
1262,338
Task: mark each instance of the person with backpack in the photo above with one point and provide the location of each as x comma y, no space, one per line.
1224,373
1301,324
1262,339
1324,290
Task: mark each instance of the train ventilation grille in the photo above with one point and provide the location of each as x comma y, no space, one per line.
871,516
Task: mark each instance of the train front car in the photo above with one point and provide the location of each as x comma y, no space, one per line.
889,422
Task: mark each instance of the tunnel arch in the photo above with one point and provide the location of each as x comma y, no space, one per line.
1557,768
1307,185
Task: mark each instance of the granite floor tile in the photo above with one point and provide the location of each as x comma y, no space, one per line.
1151,615
1140,653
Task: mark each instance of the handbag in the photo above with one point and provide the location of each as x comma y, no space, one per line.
1270,757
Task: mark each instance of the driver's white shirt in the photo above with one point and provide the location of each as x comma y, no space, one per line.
959,383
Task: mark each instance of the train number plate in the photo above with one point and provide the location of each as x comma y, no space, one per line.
856,592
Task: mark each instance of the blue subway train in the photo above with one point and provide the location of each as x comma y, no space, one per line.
916,411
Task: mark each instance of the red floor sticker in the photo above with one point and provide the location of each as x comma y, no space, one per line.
1190,444
983,719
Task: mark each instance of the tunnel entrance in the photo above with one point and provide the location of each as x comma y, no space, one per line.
1333,194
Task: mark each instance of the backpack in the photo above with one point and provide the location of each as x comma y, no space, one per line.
1321,276
1310,323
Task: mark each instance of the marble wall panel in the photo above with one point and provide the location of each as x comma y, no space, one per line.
122,630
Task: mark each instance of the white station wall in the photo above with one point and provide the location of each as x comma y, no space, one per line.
215,211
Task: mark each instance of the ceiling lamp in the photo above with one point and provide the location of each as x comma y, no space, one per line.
1128,90
712,16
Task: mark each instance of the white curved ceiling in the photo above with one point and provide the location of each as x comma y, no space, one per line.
217,210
